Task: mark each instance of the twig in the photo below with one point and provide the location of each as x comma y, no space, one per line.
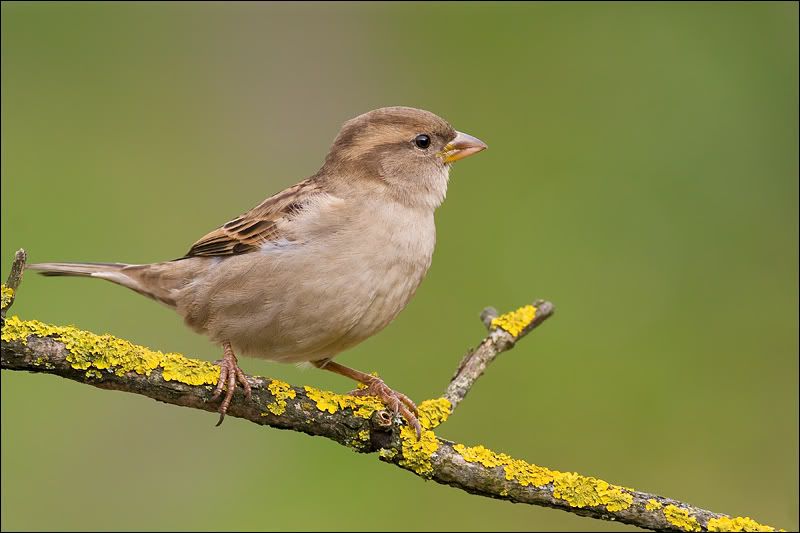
9,290
359,423
504,332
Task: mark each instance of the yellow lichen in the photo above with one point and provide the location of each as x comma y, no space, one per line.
433,412
613,497
681,518
105,352
417,453
582,491
387,453
482,455
6,296
515,469
653,505
528,474
726,523
571,488
515,321
281,391
577,490
362,406
361,440
190,371
94,374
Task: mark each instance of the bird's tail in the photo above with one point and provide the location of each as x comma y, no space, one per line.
130,276
97,270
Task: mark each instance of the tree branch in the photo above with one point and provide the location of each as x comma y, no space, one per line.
360,423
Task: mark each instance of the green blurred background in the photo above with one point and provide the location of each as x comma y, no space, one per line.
642,174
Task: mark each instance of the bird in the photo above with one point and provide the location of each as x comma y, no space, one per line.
320,266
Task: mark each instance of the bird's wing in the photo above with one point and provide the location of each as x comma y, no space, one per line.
249,231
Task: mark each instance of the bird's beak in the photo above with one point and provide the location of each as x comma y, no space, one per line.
462,146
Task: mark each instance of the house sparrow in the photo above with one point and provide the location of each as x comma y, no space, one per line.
320,266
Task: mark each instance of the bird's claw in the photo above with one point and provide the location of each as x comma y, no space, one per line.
229,375
397,402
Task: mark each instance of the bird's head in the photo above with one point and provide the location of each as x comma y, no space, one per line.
408,150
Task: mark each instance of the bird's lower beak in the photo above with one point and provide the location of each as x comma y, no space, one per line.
462,146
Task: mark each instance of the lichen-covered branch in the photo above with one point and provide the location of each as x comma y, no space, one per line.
504,332
360,423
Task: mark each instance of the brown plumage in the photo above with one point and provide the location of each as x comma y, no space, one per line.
320,266
247,232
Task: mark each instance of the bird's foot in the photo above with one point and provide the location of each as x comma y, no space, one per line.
397,402
229,374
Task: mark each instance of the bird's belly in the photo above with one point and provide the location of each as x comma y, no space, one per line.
305,306
395,286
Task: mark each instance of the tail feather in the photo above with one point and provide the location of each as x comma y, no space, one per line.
130,276
75,269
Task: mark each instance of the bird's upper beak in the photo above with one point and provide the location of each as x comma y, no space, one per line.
462,146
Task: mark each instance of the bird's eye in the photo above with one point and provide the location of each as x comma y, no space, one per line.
422,141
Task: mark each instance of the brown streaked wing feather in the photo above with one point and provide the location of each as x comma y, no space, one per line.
247,232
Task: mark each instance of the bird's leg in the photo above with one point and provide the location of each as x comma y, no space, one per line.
229,374
397,402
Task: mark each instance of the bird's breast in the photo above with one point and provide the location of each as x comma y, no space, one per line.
320,294
361,276
392,256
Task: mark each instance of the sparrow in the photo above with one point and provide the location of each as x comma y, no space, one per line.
321,266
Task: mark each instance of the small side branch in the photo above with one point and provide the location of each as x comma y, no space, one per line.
504,332
9,290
